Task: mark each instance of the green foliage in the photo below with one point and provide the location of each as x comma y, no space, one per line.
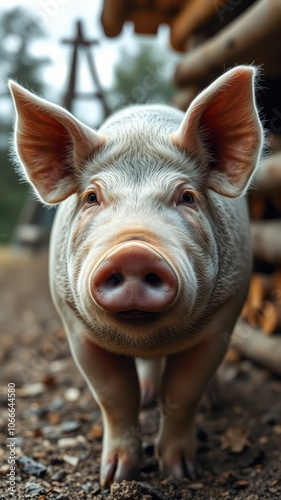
12,197
142,75
17,32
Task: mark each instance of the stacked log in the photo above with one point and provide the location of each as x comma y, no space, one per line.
263,305
257,335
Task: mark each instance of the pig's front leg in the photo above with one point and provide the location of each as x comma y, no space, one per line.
185,379
114,383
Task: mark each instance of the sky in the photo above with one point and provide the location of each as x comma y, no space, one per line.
57,18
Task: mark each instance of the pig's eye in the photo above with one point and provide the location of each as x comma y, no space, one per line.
187,197
92,198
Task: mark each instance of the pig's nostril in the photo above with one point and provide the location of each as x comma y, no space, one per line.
115,279
153,280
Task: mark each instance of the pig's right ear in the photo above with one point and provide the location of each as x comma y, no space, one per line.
50,144
222,130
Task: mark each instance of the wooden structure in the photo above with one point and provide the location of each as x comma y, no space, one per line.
258,337
80,42
183,16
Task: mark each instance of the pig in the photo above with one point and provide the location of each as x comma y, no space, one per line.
150,254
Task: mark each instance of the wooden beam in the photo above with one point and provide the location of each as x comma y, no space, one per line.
254,345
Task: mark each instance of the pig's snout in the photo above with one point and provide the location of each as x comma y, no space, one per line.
134,278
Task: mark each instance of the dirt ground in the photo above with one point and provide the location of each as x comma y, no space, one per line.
58,425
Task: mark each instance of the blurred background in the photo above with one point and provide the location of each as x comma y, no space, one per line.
94,57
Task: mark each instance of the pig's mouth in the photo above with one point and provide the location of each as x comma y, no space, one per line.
136,315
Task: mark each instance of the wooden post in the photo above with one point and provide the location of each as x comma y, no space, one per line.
81,42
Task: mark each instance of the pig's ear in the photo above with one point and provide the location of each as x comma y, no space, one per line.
50,144
222,125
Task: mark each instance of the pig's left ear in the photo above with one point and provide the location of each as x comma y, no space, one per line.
222,126
51,145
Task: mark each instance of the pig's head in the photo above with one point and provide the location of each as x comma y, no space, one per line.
144,197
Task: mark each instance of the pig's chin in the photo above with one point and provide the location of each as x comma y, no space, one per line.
141,333
135,316
141,338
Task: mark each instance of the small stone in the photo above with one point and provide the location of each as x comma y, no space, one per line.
96,431
67,442
51,431
57,404
195,486
150,491
70,426
167,480
31,390
85,455
33,489
31,467
37,432
71,460
81,439
277,429
54,431
241,485
54,418
72,394
46,443
115,487
40,411
96,488
19,451
58,476
87,486
45,484
4,469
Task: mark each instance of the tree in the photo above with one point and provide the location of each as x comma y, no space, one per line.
142,75
17,32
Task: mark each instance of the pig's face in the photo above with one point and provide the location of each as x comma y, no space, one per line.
143,239
141,245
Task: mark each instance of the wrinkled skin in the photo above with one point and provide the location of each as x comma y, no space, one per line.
153,193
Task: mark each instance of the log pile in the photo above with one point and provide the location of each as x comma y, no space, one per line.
257,335
183,16
263,306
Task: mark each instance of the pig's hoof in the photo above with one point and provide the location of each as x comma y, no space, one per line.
179,467
117,467
177,462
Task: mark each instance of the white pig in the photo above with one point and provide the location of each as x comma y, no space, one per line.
150,254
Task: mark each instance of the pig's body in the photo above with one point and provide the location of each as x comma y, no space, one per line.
150,252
